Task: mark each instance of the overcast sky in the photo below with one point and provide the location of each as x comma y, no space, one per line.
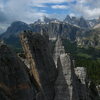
30,10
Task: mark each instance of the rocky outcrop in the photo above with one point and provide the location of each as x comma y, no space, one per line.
64,84
42,66
15,82
81,74
98,88
71,83
61,86
44,78
59,49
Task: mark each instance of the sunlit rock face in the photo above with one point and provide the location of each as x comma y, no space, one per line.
15,83
42,66
81,74
72,83
64,85
61,86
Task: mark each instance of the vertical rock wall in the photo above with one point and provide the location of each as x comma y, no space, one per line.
42,66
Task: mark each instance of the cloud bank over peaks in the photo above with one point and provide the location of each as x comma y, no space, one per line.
31,10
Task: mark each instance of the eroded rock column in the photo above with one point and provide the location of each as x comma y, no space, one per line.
42,66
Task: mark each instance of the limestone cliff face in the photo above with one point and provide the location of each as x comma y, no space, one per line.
64,80
42,66
71,84
81,74
61,87
15,83
59,49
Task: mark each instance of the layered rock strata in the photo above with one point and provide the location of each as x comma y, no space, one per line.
64,83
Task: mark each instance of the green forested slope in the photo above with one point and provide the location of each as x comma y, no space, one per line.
85,57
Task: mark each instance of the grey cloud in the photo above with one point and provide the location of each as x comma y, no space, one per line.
3,17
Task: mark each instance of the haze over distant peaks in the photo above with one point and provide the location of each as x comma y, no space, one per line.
72,28
15,28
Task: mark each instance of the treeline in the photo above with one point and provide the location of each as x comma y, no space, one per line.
92,66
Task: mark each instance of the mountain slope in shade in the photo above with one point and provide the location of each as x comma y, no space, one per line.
15,83
15,29
11,36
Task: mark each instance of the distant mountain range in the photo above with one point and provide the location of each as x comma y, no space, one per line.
81,22
46,20
75,29
15,28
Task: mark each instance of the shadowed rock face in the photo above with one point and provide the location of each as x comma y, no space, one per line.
42,66
42,81
14,80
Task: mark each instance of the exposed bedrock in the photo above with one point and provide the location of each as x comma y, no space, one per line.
42,67
45,77
15,83
72,83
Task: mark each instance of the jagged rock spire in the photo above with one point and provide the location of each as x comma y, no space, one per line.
59,49
71,84
42,65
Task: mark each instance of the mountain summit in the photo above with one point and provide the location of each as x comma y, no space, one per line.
15,28
81,22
